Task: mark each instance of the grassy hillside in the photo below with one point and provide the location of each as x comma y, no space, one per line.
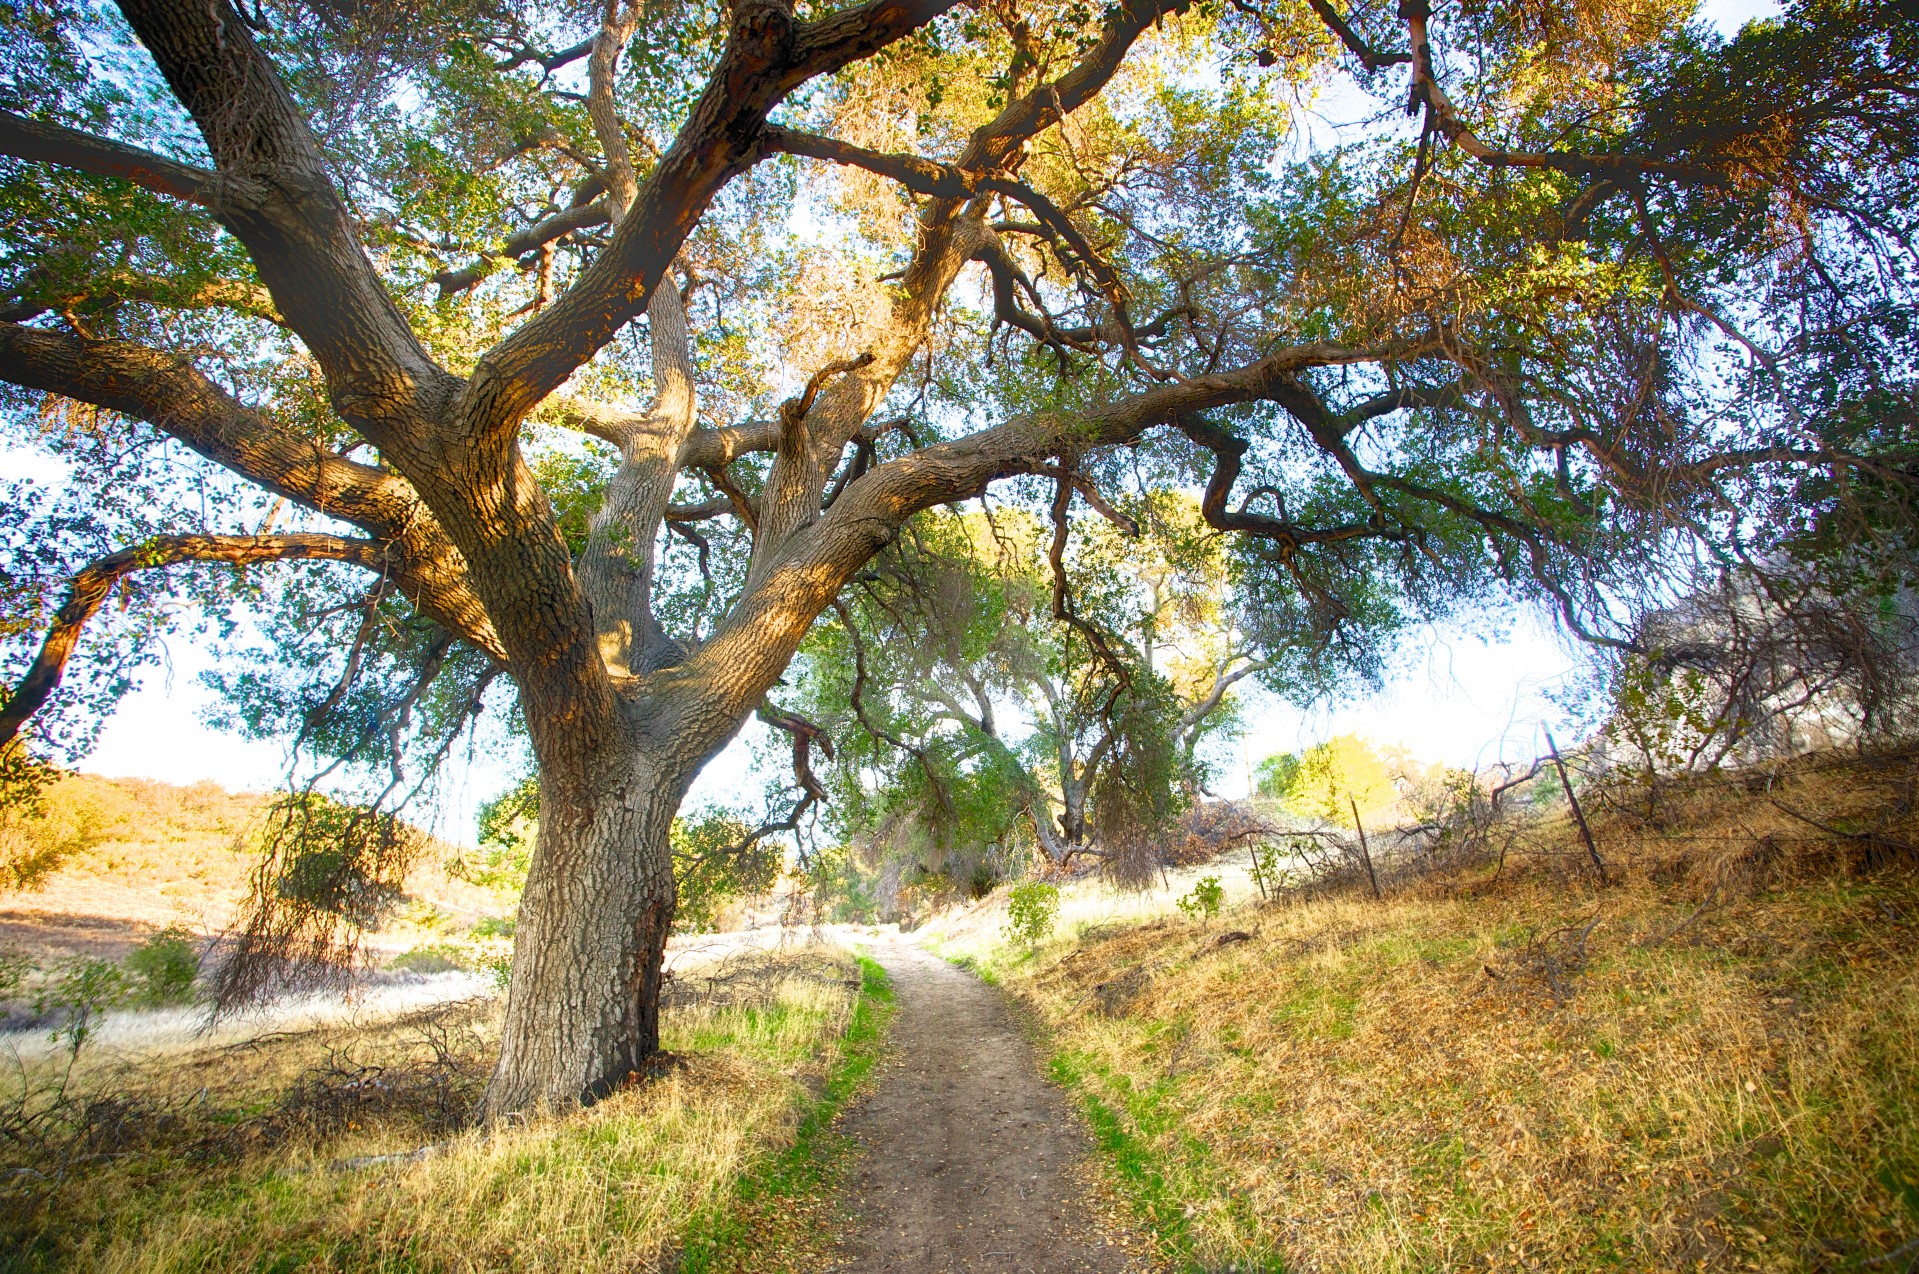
1710,1064
135,856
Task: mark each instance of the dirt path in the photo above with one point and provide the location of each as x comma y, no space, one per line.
970,1160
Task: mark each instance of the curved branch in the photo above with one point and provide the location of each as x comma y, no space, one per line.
31,140
167,392
1372,59
295,224
721,445
747,653
767,56
89,589
532,239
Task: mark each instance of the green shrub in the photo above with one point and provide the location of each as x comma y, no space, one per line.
78,992
1205,900
437,957
164,967
1032,908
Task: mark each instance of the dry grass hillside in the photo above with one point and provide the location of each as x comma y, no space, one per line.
1711,1062
141,855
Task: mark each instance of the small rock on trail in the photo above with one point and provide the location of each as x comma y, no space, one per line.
969,1160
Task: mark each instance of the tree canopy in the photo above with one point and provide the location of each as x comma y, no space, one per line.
588,363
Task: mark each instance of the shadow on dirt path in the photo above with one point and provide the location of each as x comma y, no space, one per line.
969,1159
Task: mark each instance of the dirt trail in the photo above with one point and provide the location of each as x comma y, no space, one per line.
970,1160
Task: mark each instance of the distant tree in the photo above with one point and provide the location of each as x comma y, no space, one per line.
999,679
1275,777
1338,774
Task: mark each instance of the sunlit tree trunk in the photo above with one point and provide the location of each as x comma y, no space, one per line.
583,1002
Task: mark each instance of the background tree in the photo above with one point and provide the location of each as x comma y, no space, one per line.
332,287
988,719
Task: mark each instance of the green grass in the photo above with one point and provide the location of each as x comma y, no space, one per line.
1123,1130
770,1221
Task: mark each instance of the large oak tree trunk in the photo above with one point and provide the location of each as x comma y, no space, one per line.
582,1009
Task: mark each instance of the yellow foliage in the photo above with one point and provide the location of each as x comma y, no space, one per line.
1344,771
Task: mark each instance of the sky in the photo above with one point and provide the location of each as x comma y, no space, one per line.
1457,698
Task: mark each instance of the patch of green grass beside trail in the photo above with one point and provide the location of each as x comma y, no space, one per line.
1113,1110
784,1212
229,1158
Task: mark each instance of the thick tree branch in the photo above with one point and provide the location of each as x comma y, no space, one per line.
745,655
89,589
170,394
717,447
298,230
767,56
31,140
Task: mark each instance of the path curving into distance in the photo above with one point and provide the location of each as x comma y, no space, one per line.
968,1159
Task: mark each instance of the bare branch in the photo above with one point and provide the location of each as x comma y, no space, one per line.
1371,58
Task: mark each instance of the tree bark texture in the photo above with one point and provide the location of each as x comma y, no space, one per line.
583,1002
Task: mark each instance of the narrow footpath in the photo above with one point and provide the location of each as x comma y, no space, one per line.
969,1159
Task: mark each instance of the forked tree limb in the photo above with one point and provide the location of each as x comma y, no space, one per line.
949,181
767,56
791,499
746,653
298,229
89,590
1372,59
169,393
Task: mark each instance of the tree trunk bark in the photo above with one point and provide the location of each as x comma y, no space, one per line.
583,1003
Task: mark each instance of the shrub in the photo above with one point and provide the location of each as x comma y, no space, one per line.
164,967
1032,908
438,957
1205,900
79,991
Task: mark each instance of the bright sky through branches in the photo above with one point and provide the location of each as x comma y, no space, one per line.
1455,698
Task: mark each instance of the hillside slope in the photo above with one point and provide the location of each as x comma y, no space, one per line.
1712,1063
166,855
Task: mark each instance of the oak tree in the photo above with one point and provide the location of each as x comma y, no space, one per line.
318,293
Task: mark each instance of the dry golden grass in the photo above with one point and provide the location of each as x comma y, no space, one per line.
1455,1078
247,1176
